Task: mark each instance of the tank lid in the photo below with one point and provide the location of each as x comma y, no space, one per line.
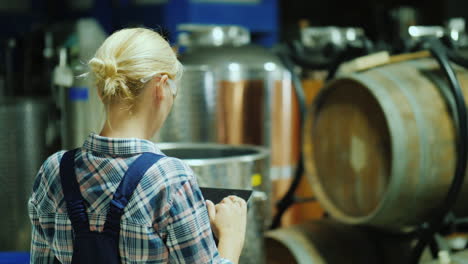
196,35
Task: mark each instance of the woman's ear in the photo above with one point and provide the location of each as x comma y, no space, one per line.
158,87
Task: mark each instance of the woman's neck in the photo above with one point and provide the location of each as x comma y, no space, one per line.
122,123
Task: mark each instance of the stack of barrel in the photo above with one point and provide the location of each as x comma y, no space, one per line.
380,151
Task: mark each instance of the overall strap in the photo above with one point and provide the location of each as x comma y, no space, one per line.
126,188
71,191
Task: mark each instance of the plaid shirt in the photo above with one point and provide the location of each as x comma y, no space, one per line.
165,221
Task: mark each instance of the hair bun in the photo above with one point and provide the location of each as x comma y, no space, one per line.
106,72
103,69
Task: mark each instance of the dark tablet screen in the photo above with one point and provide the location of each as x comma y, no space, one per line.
216,195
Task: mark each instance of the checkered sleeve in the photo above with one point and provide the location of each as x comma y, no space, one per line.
189,235
41,252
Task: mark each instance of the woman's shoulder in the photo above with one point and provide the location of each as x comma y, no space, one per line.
171,170
53,161
51,165
160,184
46,178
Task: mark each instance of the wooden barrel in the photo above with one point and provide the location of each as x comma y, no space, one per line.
331,242
380,145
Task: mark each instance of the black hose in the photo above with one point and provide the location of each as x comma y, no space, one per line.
298,56
456,58
296,80
289,198
337,56
460,116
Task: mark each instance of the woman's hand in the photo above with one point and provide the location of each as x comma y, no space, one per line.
228,221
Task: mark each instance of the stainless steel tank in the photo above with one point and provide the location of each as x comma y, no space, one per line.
234,92
192,118
23,125
227,166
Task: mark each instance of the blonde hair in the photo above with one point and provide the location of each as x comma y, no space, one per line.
127,59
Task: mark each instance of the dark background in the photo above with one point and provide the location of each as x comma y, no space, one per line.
372,15
17,16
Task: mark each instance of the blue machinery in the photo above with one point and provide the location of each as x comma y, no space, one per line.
259,16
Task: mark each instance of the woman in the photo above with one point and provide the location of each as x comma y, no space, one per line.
166,218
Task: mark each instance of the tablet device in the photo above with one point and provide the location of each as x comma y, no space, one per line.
216,195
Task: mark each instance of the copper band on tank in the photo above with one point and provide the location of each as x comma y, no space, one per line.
240,112
240,116
285,126
241,120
